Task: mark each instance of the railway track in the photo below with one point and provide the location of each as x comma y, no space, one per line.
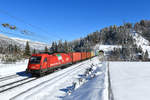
8,77
5,78
17,83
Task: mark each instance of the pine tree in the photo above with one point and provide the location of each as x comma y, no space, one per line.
60,46
53,48
146,56
66,46
15,49
27,49
10,49
140,49
34,51
46,49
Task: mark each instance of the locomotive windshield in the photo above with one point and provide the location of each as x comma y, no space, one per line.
35,60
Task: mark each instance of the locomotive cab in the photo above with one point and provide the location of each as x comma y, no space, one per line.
37,64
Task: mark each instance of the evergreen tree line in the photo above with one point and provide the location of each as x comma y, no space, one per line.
80,45
13,53
128,54
143,28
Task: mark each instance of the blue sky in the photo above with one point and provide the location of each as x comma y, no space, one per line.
52,20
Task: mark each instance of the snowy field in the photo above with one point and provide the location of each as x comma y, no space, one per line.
10,69
58,85
130,80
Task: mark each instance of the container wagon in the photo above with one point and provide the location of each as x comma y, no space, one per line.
75,56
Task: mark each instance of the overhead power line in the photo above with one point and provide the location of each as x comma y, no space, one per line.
11,33
30,25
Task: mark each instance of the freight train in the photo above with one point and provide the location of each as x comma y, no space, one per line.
41,63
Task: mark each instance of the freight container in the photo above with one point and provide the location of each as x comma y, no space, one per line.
88,54
76,56
92,53
83,55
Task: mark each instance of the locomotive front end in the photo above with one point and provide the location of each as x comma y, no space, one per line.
34,64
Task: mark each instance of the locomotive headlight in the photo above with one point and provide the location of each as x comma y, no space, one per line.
33,66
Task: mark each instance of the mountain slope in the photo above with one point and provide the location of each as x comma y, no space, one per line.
141,41
5,41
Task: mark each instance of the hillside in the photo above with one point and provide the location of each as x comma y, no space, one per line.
15,49
127,42
5,41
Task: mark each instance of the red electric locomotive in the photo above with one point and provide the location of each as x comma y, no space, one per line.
42,63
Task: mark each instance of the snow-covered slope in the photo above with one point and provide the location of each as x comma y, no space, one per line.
94,89
5,41
140,41
33,44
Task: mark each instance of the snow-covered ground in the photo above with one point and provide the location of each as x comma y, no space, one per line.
95,89
130,80
56,86
106,48
9,69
